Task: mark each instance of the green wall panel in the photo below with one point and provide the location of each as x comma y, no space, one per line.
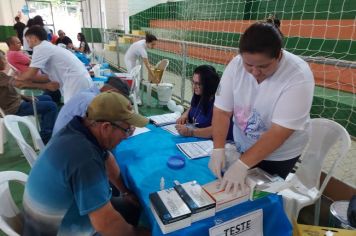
246,9
5,32
96,34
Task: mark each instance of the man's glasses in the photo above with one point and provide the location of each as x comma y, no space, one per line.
128,131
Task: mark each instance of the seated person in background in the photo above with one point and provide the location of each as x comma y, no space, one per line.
13,103
53,36
21,61
59,64
15,56
77,105
196,121
75,197
62,38
83,46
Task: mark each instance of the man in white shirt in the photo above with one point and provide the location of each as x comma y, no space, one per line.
269,92
58,63
138,51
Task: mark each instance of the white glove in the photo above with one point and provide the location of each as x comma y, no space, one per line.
234,178
217,161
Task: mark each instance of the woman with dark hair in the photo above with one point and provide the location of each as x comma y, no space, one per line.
83,46
138,51
196,121
38,20
25,43
269,91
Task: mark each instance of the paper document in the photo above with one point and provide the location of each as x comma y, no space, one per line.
165,119
140,131
123,75
171,128
195,150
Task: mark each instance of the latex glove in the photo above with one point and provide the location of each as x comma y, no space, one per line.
217,161
234,178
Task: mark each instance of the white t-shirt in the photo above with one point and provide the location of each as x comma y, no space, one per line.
25,44
284,98
62,66
136,51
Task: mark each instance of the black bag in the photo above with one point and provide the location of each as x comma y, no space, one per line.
351,211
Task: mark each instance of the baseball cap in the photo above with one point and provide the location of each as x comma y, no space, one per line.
111,107
120,85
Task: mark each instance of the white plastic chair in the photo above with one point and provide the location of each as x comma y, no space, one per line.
3,135
11,222
303,188
135,88
12,72
162,65
12,125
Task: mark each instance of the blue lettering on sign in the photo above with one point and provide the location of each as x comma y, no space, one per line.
238,229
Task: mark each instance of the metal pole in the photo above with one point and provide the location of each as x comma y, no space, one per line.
91,25
117,50
184,71
82,11
101,25
54,28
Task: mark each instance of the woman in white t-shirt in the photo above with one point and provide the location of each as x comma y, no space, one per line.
138,51
269,92
25,45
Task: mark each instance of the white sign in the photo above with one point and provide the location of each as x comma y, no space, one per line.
250,224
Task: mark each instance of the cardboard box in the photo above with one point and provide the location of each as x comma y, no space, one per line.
125,39
311,230
138,32
109,47
157,76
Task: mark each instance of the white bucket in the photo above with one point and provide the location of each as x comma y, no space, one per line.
164,93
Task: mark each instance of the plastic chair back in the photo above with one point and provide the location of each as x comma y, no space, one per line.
135,73
302,188
14,68
2,131
135,88
158,71
162,64
12,125
11,222
324,135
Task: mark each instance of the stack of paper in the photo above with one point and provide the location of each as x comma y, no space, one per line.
195,150
140,130
165,119
171,129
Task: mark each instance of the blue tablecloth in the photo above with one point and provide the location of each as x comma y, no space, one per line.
142,160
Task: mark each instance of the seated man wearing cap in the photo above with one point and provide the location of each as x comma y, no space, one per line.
78,105
67,192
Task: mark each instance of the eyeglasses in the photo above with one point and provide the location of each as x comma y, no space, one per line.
197,84
128,131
